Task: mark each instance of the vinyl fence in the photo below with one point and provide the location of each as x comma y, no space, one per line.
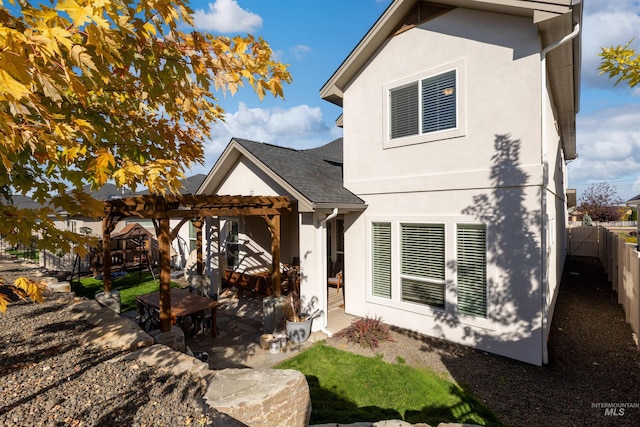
607,224
64,262
584,241
621,260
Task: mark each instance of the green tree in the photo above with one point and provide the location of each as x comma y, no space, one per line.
109,90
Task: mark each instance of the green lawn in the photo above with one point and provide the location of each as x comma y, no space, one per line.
133,284
348,388
30,254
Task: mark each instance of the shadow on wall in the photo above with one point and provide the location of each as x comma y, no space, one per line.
513,250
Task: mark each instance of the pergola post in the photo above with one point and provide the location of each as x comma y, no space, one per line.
198,223
107,228
273,222
164,245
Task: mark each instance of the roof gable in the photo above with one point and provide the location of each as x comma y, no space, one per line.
312,176
553,19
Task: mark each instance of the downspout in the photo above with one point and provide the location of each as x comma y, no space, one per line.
323,274
545,181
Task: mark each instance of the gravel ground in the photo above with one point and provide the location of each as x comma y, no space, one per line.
47,379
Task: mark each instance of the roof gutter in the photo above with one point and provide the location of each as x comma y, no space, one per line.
345,207
545,183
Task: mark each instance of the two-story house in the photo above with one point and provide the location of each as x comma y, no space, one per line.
458,118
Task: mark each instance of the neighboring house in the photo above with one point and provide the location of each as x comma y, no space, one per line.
459,118
634,203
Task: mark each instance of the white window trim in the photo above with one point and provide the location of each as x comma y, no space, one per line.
459,131
451,303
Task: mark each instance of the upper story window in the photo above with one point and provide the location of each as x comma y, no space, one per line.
428,105
425,107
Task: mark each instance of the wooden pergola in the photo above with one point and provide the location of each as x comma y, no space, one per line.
161,209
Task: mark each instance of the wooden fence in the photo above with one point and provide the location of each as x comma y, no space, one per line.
621,260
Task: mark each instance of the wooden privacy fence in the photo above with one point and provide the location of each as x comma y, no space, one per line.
621,260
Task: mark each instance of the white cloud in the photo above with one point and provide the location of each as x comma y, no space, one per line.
635,188
299,127
609,149
299,51
606,23
226,16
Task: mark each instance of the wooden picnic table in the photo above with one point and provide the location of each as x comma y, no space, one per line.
184,303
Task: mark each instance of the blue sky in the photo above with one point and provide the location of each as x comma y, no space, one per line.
315,36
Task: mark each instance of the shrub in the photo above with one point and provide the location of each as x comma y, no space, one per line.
366,331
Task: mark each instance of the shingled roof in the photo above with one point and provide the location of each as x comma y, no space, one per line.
20,201
315,173
191,184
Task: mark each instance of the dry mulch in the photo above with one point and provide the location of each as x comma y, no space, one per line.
593,359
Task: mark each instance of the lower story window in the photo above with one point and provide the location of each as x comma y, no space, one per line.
381,259
409,264
232,245
422,264
472,269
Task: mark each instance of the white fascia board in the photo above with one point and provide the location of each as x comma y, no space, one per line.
226,160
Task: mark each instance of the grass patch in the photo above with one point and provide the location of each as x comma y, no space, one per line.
29,254
131,285
348,388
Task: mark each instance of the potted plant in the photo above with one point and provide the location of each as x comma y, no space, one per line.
297,325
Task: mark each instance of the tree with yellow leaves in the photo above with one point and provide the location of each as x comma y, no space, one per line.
93,91
621,62
24,289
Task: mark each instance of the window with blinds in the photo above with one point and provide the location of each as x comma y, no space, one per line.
422,264
439,102
405,105
428,105
381,259
472,269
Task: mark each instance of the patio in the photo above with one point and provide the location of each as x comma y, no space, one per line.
239,321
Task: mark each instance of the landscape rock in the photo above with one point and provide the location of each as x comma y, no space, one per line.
268,397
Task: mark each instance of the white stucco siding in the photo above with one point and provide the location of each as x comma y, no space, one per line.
313,285
246,179
499,73
511,216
